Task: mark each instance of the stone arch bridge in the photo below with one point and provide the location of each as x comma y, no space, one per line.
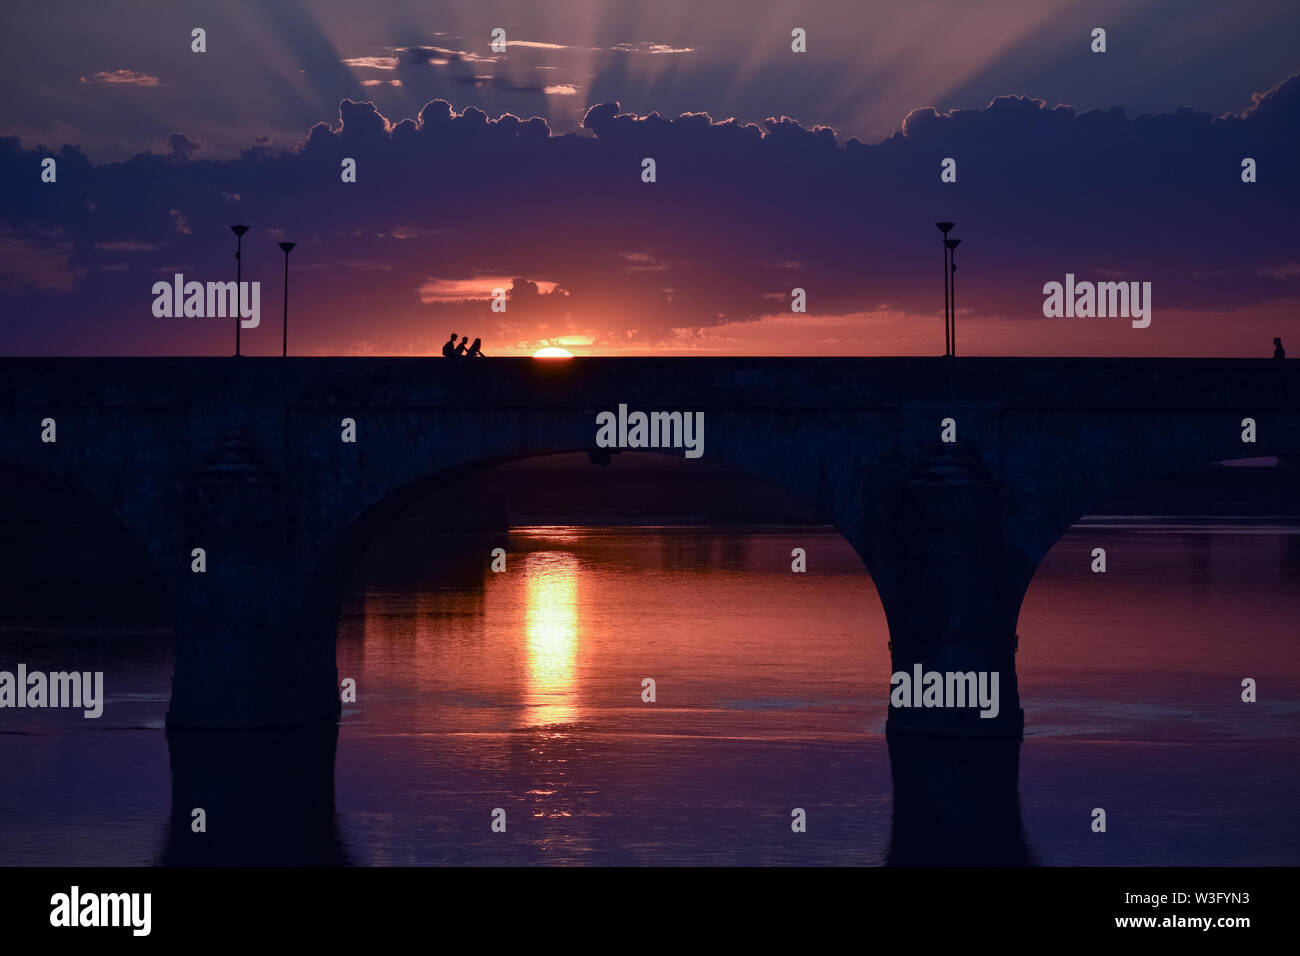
244,458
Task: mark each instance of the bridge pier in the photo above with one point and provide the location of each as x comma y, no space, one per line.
951,597
267,796
242,657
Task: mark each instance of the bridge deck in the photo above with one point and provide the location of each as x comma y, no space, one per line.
661,382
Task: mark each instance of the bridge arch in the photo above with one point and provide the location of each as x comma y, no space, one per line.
1077,470
335,560
1097,466
1149,627
977,517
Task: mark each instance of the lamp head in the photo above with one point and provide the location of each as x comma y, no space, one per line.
239,230
286,246
952,243
945,226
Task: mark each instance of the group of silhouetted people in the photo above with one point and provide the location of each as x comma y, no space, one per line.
451,350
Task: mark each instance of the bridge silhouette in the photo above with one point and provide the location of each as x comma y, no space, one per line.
244,458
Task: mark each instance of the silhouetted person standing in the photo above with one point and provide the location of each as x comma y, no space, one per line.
1278,351
449,347
476,350
460,349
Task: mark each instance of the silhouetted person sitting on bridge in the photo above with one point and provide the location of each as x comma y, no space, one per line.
449,347
460,349
476,350
1278,351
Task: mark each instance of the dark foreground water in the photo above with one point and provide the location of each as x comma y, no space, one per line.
522,692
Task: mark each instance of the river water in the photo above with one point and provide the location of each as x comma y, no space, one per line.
522,692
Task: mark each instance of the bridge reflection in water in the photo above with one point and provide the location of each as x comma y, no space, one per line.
493,686
269,800
956,802
267,796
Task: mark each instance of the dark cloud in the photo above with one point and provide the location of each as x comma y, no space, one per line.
496,83
182,147
527,300
1042,190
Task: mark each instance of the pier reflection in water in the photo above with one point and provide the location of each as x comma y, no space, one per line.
267,798
522,690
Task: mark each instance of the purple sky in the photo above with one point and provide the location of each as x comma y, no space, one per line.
1126,183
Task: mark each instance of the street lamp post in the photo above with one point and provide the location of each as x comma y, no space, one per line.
952,245
239,277
944,227
284,348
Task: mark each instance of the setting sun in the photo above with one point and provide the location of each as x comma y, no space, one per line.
552,352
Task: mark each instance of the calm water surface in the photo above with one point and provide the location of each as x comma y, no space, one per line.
523,691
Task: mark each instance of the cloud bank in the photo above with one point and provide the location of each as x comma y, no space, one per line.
740,215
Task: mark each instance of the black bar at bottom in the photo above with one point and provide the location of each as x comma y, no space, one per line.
490,906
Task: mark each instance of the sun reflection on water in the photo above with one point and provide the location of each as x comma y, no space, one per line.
551,628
